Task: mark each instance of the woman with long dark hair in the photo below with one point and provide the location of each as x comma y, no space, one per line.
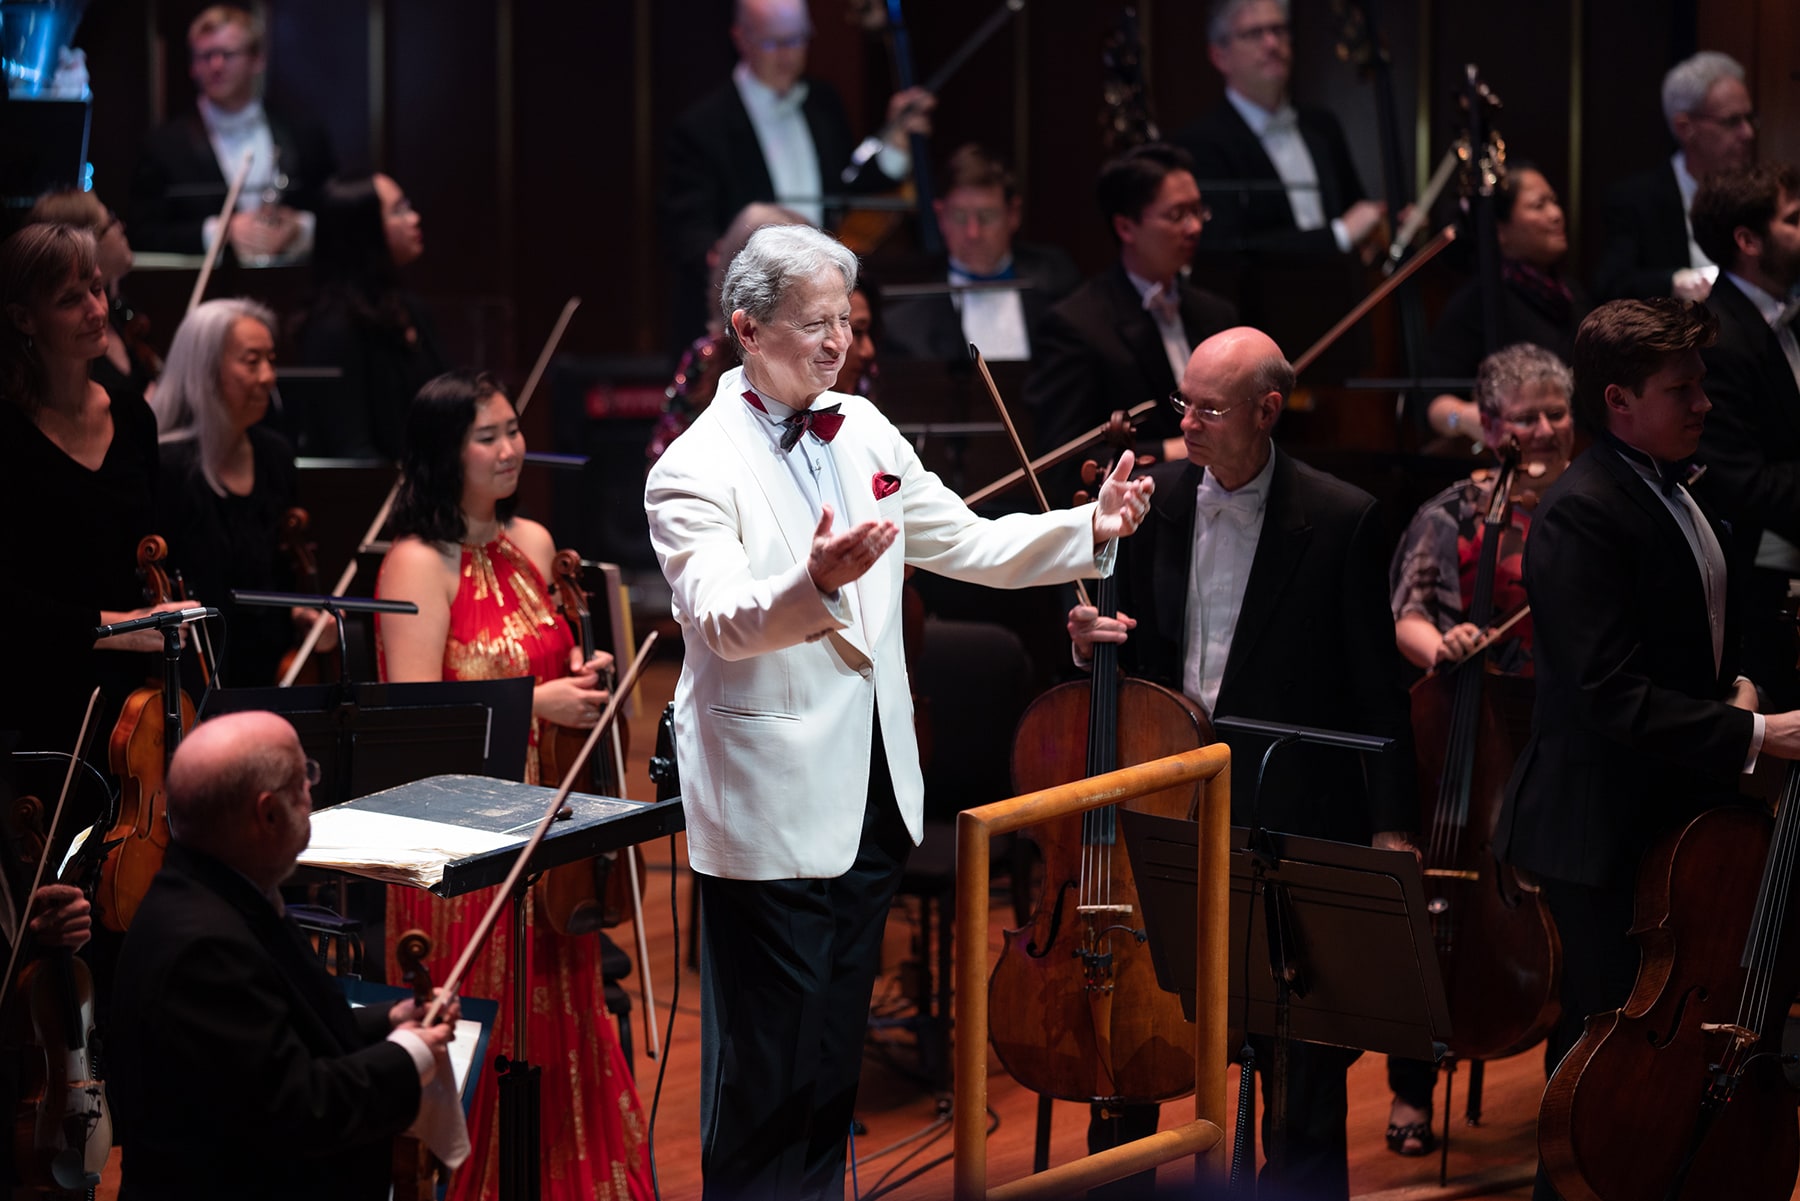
363,322
479,574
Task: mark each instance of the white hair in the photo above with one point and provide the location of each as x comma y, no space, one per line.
1685,87
187,403
775,257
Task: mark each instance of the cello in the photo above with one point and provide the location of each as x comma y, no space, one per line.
1497,947
1077,1013
1680,1095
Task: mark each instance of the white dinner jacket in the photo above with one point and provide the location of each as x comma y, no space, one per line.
779,685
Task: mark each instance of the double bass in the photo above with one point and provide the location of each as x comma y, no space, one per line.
1497,947
1077,1013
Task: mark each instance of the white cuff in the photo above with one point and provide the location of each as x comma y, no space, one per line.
1341,232
415,1046
1759,723
894,162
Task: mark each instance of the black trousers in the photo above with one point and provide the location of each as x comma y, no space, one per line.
1599,967
786,971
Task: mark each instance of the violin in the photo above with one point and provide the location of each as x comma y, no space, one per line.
417,1172
1497,947
62,1128
143,741
580,898
294,541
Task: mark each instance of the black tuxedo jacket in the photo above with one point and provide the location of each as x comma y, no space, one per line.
1314,646
1262,221
1630,734
1646,236
1751,446
715,167
930,327
1098,350
178,183
234,1061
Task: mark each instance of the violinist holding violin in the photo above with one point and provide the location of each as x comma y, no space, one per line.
83,463
479,574
1255,587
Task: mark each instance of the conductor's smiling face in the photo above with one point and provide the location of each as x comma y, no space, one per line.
799,351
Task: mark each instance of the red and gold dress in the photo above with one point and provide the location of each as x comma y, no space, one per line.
502,625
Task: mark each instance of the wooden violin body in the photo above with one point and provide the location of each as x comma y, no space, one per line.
417,1172
1077,1013
138,754
62,1128
582,897
1625,1108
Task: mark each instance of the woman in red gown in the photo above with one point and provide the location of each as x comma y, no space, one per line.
478,575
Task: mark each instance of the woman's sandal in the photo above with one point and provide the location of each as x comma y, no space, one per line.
1419,1132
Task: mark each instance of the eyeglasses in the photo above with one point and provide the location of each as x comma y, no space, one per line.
402,208
983,218
1526,422
312,773
1181,214
1728,121
219,54
793,41
1183,406
1279,30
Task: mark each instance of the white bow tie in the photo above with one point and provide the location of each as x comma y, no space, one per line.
1241,506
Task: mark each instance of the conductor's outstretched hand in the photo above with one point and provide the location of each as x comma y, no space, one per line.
838,559
1123,501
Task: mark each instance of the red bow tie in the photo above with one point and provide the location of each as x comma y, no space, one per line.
824,423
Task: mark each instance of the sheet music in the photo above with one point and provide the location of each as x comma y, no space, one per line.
392,848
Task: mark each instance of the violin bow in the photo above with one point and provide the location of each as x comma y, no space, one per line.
387,506
1421,211
212,252
1012,433
504,894
1044,462
652,1036
37,876
1483,643
1380,293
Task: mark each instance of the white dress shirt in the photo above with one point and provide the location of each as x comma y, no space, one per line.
231,134
992,318
1163,302
1279,133
1227,526
787,145
1709,557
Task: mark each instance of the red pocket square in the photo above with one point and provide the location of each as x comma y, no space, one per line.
885,484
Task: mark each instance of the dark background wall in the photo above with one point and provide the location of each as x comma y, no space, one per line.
529,132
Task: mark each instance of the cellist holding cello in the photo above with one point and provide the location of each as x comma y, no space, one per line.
1255,586
1640,724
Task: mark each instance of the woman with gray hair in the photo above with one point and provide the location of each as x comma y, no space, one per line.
227,479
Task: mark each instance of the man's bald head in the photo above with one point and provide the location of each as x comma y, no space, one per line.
237,790
1233,390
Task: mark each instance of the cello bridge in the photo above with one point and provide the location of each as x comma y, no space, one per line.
1098,910
1449,873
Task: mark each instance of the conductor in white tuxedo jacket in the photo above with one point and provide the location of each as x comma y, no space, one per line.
784,519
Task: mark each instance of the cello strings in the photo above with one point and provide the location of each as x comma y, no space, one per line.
1771,908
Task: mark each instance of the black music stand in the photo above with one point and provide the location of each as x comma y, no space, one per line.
1339,952
596,825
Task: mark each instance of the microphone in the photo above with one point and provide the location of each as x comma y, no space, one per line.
156,621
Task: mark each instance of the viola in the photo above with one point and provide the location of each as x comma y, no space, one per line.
143,740
1497,947
582,897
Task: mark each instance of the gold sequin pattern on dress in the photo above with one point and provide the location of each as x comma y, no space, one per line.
500,654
